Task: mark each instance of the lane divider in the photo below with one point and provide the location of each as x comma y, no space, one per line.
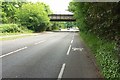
68,50
18,50
63,66
39,42
12,52
71,41
70,46
61,72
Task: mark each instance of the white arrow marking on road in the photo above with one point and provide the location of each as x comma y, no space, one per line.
12,52
80,49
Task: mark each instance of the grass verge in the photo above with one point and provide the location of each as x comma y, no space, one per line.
15,37
105,54
13,31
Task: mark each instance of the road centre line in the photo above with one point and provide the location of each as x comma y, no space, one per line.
39,42
71,41
13,52
61,72
68,50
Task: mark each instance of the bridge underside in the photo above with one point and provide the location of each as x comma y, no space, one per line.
61,17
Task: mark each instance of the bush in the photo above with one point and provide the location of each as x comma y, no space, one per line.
33,16
102,19
11,28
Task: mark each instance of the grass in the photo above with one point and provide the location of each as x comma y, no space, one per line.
13,29
10,29
106,55
15,37
8,34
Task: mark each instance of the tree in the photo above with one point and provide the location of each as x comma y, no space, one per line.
9,9
34,16
101,19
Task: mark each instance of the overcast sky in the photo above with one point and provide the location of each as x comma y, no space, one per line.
57,6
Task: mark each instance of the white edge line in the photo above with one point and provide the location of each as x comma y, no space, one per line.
12,52
68,50
61,71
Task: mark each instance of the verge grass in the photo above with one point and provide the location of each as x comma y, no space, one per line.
15,37
105,54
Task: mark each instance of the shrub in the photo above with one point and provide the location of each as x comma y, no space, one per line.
33,16
11,28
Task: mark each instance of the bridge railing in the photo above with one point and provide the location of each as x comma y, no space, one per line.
61,17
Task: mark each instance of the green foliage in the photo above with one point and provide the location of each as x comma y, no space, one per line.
70,24
57,25
8,11
102,19
54,26
12,28
34,16
105,54
63,25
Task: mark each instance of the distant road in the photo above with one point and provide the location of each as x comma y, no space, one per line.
49,55
67,30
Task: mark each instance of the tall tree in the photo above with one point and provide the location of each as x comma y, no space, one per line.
34,16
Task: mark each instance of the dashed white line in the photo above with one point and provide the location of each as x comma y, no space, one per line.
61,72
71,41
12,52
39,42
68,50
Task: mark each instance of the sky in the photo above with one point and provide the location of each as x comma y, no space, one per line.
57,6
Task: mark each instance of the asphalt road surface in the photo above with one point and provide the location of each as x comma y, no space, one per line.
48,55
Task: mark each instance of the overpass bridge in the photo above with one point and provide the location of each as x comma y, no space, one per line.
61,17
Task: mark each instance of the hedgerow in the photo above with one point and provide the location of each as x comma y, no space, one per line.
12,28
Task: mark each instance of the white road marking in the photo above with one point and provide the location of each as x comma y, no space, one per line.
68,50
71,41
12,52
61,72
80,49
39,42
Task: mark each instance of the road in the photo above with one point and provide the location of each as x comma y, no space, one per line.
48,55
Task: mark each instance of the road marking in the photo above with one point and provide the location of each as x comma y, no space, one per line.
76,49
61,72
68,50
39,42
12,52
71,41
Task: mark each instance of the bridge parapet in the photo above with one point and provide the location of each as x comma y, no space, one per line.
61,17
